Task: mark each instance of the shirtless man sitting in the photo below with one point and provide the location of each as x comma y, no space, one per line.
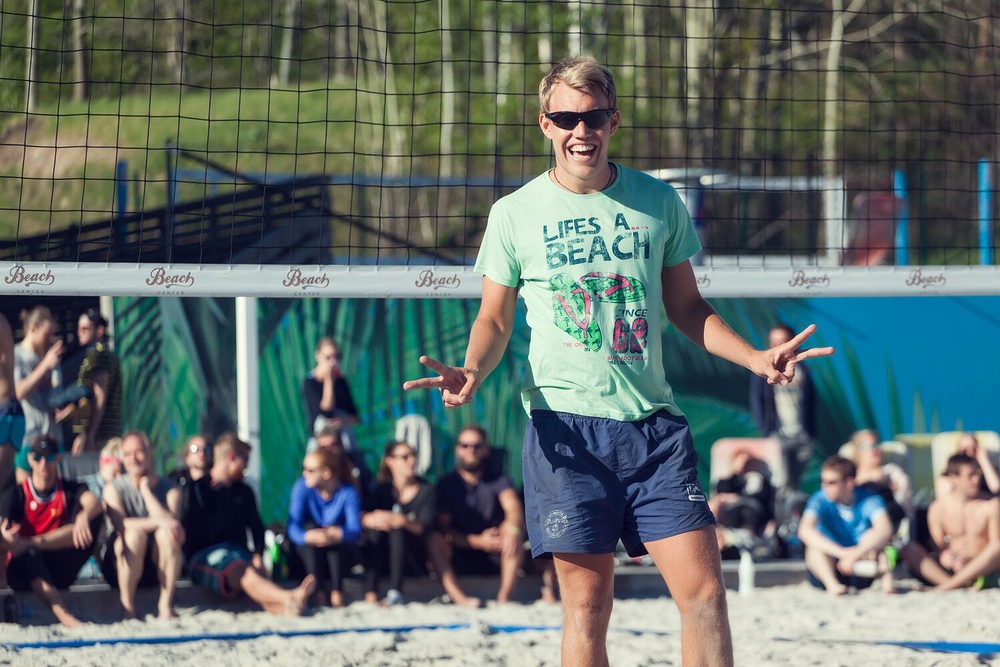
964,524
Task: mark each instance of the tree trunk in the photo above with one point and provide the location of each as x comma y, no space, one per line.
289,15
699,18
31,64
80,78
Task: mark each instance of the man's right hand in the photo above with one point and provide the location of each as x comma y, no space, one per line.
52,357
489,541
457,384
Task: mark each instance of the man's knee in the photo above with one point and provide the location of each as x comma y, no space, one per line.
135,541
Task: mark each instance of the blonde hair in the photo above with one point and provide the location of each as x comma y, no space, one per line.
582,73
112,448
230,442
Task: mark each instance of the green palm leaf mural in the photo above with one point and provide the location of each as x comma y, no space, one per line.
178,360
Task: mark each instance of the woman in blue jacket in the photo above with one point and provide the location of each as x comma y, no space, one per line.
324,520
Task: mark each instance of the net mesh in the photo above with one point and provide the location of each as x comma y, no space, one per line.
156,147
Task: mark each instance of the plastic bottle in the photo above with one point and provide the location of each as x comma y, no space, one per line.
866,568
747,571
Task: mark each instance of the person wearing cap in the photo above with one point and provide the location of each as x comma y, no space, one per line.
48,528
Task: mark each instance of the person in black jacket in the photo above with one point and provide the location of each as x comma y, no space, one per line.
219,510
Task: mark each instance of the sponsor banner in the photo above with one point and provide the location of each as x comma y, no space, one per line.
54,279
462,282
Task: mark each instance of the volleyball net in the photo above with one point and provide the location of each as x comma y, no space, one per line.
354,147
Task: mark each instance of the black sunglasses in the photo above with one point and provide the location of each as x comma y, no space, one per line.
568,120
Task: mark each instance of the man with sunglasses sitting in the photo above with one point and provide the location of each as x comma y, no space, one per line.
48,527
197,461
480,521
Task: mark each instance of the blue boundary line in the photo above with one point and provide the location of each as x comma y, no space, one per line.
946,647
287,634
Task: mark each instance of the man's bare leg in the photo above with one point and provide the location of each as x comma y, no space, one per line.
269,595
824,568
130,555
48,594
549,583
692,569
921,563
509,567
587,586
168,566
440,553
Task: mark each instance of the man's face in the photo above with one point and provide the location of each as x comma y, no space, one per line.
967,481
471,451
837,489
237,467
580,152
135,457
44,469
196,455
86,331
327,441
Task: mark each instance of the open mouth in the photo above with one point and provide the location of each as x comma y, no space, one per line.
583,150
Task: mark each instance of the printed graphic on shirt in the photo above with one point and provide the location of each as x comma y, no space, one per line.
580,241
572,302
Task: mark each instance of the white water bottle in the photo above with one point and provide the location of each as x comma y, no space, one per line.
747,572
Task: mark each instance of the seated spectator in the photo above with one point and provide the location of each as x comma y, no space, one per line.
219,512
968,444
109,467
885,479
400,516
964,525
47,529
324,520
480,522
144,511
330,436
844,530
197,461
743,503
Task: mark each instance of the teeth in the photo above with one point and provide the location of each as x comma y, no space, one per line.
582,149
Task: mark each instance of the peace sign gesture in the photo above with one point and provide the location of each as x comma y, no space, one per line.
457,384
777,364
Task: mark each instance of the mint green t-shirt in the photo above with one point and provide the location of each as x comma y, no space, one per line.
588,268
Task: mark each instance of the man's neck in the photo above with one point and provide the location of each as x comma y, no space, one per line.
135,478
219,477
469,476
39,489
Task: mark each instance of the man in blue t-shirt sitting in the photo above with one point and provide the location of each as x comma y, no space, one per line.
844,530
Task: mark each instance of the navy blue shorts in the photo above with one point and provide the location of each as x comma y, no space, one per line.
589,482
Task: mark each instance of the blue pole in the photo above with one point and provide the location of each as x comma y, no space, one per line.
121,188
985,213
903,224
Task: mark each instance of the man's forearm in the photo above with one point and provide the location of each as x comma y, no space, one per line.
487,344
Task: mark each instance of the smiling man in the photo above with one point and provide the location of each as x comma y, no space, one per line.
598,251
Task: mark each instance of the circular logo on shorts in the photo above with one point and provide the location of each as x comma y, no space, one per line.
556,523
